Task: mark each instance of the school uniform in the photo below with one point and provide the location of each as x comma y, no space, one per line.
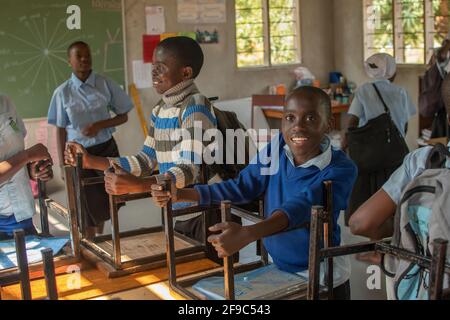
366,106
179,156
413,166
76,104
16,198
293,190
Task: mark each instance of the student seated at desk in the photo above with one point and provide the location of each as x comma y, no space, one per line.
17,165
177,61
305,160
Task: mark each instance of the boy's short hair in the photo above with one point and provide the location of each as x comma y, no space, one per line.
310,92
76,44
185,50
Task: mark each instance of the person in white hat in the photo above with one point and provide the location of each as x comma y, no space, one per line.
367,105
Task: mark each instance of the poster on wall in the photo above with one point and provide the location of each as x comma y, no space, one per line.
201,11
187,11
212,11
207,35
156,23
142,74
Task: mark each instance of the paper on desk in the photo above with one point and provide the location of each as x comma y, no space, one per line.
142,74
156,23
34,245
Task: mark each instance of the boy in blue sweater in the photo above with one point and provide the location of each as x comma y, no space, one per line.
306,160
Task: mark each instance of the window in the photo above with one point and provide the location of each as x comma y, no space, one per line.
267,32
407,29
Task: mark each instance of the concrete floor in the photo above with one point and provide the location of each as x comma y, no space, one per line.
143,213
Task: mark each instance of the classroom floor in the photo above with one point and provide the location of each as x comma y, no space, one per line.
359,270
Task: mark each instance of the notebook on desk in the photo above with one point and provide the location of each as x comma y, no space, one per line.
250,285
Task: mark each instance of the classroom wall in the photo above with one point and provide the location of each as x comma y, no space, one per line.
349,55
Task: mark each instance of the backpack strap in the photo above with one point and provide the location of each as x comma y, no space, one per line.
386,109
437,157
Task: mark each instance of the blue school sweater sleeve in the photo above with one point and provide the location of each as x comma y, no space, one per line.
342,174
249,185
246,187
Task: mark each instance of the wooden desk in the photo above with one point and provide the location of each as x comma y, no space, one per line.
94,284
336,110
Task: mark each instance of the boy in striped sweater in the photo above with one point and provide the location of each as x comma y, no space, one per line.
177,62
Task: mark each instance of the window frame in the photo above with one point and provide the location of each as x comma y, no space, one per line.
266,39
428,26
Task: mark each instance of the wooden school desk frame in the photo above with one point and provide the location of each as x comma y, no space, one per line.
22,275
71,253
319,218
229,269
110,261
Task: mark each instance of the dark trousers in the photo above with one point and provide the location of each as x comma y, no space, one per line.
28,232
342,292
96,198
366,185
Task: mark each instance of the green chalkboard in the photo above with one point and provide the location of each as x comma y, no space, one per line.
34,36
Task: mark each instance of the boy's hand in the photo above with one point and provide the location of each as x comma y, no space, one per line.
232,238
119,181
41,170
160,197
72,148
91,130
38,152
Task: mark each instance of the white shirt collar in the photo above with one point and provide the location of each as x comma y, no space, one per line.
321,161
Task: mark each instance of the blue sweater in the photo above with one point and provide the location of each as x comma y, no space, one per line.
293,190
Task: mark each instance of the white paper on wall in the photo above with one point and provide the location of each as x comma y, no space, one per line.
142,74
156,23
187,11
212,11
201,11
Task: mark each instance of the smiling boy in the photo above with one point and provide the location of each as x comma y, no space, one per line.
306,160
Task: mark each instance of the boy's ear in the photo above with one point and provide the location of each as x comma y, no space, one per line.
188,73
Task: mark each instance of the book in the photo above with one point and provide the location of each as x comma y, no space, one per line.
251,285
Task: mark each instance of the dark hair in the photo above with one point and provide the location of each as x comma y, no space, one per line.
76,44
186,51
312,92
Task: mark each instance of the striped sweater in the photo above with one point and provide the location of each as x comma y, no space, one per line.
174,156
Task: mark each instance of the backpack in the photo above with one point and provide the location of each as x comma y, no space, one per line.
422,216
225,120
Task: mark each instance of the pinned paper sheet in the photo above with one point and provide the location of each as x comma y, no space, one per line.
156,23
149,43
201,11
187,11
142,74
212,11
